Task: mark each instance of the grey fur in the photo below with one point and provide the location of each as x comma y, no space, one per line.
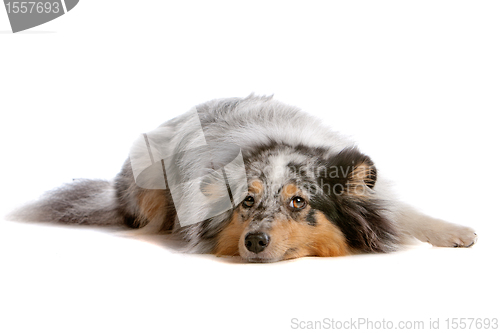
90,202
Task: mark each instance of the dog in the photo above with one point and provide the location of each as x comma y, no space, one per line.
299,190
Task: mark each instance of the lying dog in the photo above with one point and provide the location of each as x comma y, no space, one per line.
305,190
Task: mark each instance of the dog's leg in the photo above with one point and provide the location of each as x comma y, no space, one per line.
434,231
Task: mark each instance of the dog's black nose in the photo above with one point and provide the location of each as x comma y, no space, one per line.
256,241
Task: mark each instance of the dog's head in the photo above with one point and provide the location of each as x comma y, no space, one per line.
301,203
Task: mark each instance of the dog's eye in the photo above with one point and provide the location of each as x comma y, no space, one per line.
297,203
248,202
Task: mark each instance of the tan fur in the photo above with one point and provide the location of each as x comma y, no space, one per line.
289,238
358,179
256,187
301,239
153,207
289,191
227,243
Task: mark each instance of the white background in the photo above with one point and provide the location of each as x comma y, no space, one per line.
415,83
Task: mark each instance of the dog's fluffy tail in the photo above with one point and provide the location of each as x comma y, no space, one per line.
83,201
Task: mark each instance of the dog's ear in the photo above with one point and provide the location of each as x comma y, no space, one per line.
353,174
364,173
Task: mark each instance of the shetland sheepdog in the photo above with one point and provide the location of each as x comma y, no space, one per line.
250,177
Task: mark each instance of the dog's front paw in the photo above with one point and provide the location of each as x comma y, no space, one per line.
453,236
